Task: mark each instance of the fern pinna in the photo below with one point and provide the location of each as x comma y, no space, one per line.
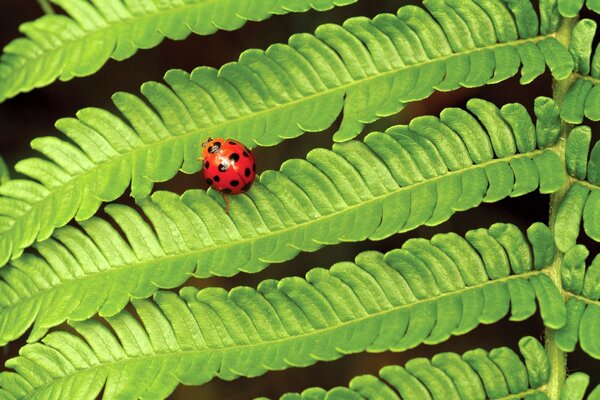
91,292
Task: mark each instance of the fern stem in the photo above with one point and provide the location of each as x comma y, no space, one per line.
46,6
558,358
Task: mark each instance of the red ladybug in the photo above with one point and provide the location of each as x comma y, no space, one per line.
228,166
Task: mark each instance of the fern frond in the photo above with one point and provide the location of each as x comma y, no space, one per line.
82,41
422,293
392,182
583,305
477,374
582,201
367,68
4,173
583,97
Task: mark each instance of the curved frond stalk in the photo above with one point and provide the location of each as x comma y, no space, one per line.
4,172
82,41
582,286
367,69
583,97
582,201
477,374
392,182
422,293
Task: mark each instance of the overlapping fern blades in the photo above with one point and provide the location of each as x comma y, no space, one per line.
477,374
81,42
583,306
582,201
403,58
392,182
424,292
583,98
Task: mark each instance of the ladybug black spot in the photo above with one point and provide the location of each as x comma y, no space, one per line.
223,167
226,191
209,181
234,157
247,186
215,147
206,164
234,183
247,172
232,143
216,178
245,154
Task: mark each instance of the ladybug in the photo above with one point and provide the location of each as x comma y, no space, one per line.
228,167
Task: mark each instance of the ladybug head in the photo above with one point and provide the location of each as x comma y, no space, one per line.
211,146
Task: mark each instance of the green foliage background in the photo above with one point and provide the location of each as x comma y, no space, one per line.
394,180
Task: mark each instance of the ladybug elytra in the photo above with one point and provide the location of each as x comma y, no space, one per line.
228,166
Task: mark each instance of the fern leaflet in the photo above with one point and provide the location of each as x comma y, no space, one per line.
582,201
570,8
583,97
392,182
380,302
403,57
81,42
583,305
477,374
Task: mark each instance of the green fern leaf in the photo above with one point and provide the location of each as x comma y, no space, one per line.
549,16
595,394
378,303
593,5
583,198
570,8
478,374
583,305
392,182
581,44
583,97
577,149
568,218
4,173
99,30
367,68
575,386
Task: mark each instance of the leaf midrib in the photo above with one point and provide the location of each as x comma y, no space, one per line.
588,77
173,259
584,183
581,297
316,331
274,109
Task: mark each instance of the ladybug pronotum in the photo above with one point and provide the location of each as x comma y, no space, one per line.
228,166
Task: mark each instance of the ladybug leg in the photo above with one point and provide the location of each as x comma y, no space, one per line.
226,203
